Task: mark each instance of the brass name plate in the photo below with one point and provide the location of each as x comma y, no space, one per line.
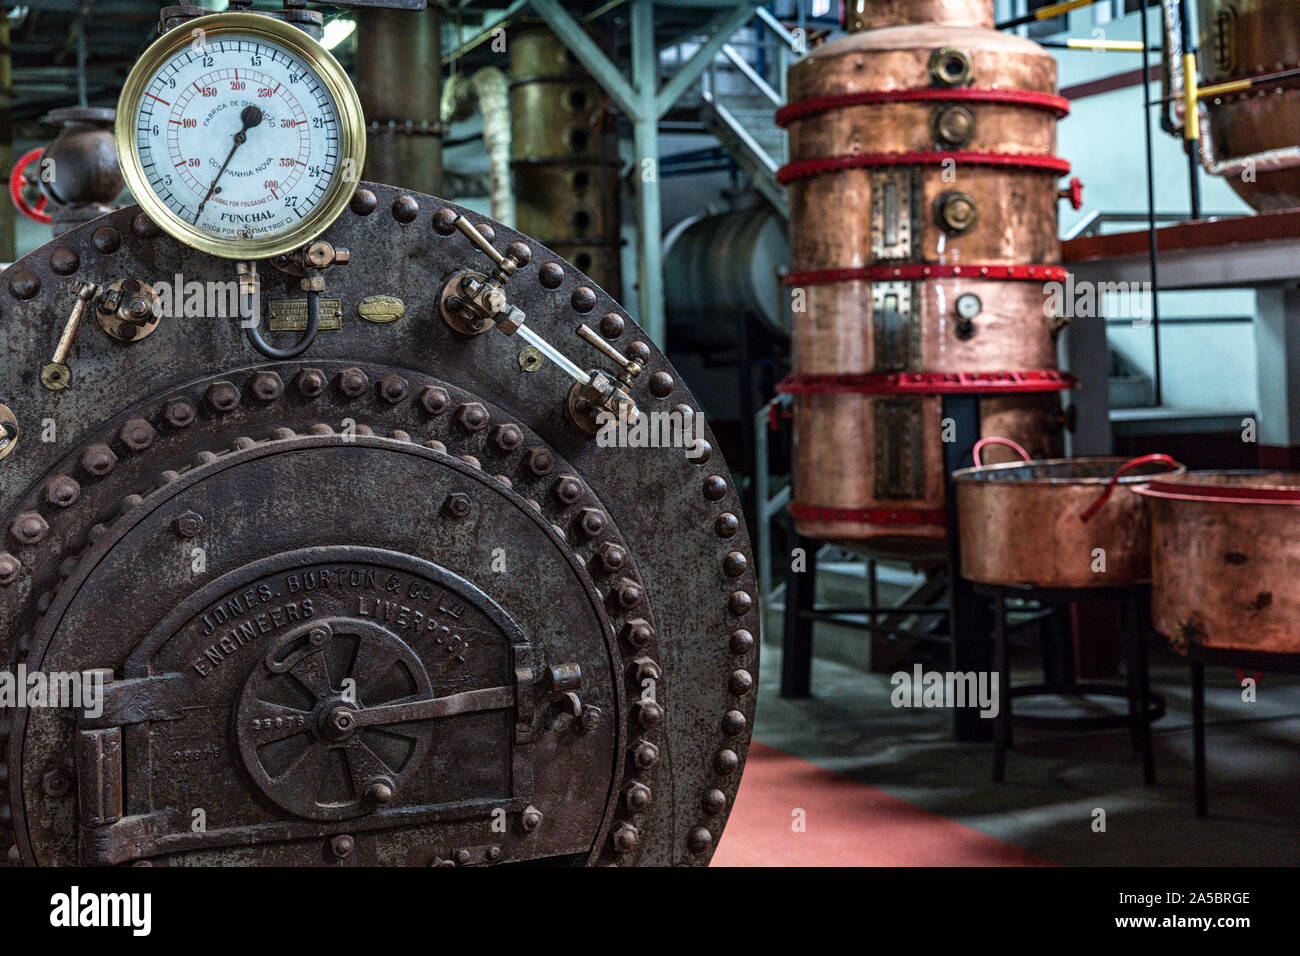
290,315
381,308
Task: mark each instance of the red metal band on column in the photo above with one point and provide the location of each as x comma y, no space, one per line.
887,273
869,515
816,105
928,383
833,164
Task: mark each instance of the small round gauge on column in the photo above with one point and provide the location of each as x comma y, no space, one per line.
240,135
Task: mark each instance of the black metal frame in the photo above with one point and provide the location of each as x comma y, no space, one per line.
1198,656
1144,705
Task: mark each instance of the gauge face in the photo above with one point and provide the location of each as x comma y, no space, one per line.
244,138
969,305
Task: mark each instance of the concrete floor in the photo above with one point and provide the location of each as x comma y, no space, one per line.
1055,781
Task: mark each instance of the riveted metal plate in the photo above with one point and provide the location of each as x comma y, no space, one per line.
892,204
895,327
899,466
232,474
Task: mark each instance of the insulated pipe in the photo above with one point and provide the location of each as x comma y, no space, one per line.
488,90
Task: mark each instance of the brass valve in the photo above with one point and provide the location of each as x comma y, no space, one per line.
955,212
309,261
472,302
602,394
56,375
128,310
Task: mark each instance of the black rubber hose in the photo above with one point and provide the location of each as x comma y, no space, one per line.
293,351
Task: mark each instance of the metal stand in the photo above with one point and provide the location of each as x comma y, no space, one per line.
796,652
1144,706
1198,656
969,618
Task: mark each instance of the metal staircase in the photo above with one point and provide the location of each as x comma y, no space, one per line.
741,91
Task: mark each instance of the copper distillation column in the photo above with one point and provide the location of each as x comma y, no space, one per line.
564,155
923,191
399,80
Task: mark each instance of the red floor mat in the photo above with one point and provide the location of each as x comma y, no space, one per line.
847,824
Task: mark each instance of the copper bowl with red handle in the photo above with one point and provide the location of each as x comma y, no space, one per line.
1056,523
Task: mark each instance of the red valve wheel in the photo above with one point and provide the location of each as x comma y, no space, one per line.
17,180
1074,192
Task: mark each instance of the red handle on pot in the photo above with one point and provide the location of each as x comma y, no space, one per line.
1126,467
979,447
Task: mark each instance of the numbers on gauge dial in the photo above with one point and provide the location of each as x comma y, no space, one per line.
238,137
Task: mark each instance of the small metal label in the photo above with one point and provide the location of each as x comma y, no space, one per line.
895,329
899,471
381,308
891,214
290,315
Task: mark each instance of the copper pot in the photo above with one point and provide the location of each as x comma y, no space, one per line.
1225,556
1241,39
872,14
1056,523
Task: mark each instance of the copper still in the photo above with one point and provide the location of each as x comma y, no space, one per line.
1059,523
564,154
1243,40
923,193
1224,560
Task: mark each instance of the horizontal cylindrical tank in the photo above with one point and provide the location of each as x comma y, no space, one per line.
725,266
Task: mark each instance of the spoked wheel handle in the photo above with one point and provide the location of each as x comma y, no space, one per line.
18,181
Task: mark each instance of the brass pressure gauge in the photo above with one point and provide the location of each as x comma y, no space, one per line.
240,135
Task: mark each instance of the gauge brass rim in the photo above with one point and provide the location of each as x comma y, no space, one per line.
7,417
352,134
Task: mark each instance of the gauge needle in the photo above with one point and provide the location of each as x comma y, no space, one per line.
250,117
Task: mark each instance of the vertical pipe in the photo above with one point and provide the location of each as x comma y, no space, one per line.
1151,212
1190,145
399,80
645,143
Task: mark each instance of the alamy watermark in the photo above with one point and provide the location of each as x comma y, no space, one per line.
1095,300
22,689
657,429
921,688
211,299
